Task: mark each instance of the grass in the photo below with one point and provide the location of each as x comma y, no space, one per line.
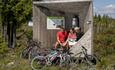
12,61
104,47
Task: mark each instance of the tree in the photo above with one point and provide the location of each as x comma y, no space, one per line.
13,14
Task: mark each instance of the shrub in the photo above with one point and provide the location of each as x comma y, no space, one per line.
29,34
3,46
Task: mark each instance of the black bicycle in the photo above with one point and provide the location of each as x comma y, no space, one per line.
84,58
31,50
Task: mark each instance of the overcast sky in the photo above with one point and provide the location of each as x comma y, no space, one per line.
104,7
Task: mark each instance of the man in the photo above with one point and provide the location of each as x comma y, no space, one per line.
61,37
79,34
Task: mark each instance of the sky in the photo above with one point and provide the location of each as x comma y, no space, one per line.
104,7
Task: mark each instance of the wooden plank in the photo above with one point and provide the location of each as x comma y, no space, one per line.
48,37
59,1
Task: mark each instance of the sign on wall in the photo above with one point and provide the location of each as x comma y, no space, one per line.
53,22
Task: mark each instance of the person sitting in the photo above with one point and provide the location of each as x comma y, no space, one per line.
79,34
61,38
72,37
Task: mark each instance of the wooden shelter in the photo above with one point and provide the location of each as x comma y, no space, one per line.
71,13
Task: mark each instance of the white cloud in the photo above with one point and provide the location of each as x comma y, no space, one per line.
112,6
94,8
109,10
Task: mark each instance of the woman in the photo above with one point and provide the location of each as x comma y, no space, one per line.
72,37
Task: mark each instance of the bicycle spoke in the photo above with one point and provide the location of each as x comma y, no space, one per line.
38,63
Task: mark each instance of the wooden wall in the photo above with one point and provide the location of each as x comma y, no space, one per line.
48,37
40,31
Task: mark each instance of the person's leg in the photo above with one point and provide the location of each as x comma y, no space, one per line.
56,44
68,46
65,47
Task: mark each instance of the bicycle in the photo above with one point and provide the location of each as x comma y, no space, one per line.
84,58
55,57
31,50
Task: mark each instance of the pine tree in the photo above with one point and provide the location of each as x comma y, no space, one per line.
13,14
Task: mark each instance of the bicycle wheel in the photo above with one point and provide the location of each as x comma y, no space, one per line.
24,53
68,60
33,53
64,60
72,64
92,60
38,63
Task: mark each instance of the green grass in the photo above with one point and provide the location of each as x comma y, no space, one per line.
12,61
104,48
107,62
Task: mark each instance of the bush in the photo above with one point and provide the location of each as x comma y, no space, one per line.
104,47
3,46
29,34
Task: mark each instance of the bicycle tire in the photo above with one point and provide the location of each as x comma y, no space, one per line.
66,61
92,60
39,62
72,64
30,56
33,53
24,53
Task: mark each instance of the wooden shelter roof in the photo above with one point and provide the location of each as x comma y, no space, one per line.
72,6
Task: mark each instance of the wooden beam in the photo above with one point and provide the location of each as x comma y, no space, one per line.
59,1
